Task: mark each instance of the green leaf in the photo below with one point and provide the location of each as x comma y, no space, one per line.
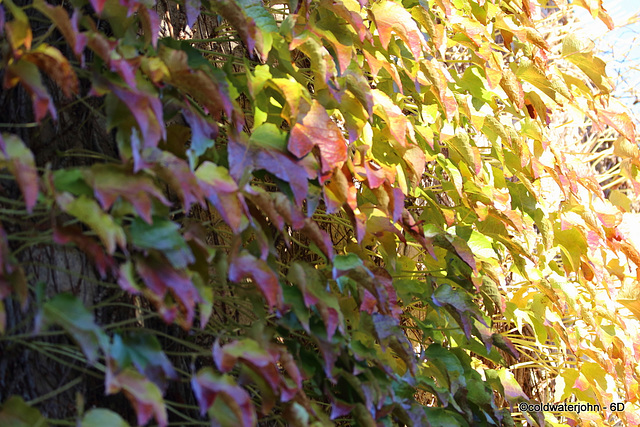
67,311
164,236
102,418
89,212
14,412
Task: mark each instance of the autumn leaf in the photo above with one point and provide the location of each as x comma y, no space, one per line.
111,182
50,61
245,265
27,74
144,395
15,155
208,386
89,212
317,129
393,17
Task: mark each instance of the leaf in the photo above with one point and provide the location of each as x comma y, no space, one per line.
203,131
317,129
147,110
88,211
143,394
245,265
252,21
68,27
50,61
390,16
14,412
244,158
222,191
143,351
264,362
160,278
207,386
164,236
176,173
103,417
20,161
192,11
67,311
201,85
579,52
110,182
104,263
27,74
512,87
620,121
512,390
385,108
18,30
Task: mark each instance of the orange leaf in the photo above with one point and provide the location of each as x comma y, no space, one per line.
390,16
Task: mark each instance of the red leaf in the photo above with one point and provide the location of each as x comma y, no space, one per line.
193,11
207,386
318,129
151,23
98,5
68,27
203,131
390,16
246,265
104,262
143,394
21,163
160,277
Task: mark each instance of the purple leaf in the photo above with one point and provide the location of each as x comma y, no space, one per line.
193,11
243,158
160,278
207,386
245,265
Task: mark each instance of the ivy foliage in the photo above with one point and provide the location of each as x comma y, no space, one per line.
361,218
